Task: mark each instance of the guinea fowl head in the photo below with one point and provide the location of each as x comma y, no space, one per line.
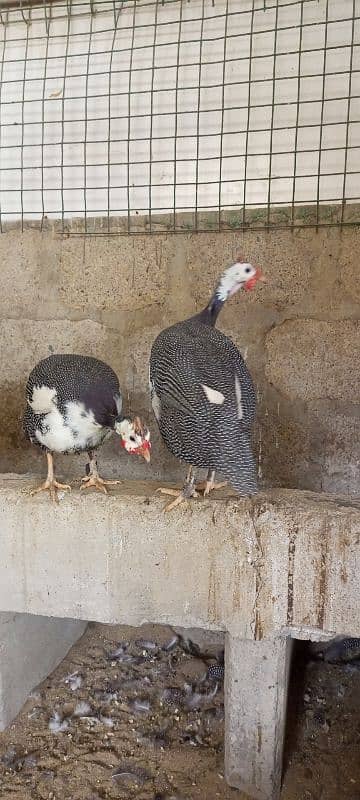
240,275
134,436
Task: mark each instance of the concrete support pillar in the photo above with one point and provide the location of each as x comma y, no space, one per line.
256,684
30,648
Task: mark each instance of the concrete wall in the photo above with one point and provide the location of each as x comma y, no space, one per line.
30,648
110,296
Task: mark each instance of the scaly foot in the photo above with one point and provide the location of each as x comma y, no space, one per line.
209,486
181,495
51,486
97,482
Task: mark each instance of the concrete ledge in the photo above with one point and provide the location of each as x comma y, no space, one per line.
283,560
30,648
283,564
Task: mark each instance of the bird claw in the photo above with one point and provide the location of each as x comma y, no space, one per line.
208,486
181,495
178,500
97,482
51,487
163,490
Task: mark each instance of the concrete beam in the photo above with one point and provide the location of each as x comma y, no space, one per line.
283,564
284,559
30,648
256,687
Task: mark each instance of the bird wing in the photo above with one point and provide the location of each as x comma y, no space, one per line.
197,369
64,378
176,378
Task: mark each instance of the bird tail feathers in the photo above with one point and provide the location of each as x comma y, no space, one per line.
242,472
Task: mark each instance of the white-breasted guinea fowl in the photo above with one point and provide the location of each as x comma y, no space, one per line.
202,394
74,404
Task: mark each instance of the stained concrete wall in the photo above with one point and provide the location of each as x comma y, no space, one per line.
110,296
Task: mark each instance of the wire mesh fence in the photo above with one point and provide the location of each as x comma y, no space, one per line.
121,116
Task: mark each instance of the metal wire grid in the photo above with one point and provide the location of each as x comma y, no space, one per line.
179,114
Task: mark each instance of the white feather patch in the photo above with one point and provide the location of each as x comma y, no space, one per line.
238,397
118,403
213,396
43,400
156,403
56,724
233,278
77,431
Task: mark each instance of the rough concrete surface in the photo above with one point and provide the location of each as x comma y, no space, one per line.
264,569
324,376
110,296
285,559
256,688
30,648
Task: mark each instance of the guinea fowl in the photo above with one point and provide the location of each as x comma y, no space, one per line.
73,405
202,394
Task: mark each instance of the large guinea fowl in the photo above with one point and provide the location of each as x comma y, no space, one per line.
73,404
203,396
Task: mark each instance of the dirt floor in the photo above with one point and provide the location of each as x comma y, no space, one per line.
128,715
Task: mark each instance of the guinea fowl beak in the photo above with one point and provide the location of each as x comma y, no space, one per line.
144,451
255,278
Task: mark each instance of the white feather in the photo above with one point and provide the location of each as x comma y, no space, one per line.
57,436
118,403
214,397
238,397
43,400
77,430
156,403
233,278
57,725
106,721
74,681
82,709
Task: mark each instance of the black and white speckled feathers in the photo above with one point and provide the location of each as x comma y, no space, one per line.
203,398
72,403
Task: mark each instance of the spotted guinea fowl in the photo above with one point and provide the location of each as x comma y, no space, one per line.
202,394
73,404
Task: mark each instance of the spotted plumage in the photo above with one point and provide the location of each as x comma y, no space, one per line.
216,672
202,393
345,649
72,403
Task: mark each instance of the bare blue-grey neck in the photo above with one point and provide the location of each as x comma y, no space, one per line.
210,314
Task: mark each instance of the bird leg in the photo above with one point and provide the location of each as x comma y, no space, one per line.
209,485
187,491
51,484
92,477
